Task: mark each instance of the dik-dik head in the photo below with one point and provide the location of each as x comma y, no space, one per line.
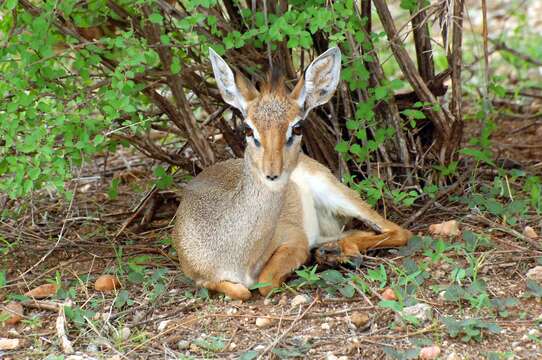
273,116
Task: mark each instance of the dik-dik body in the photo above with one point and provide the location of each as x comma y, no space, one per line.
255,219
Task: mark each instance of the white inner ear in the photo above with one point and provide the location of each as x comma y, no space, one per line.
225,81
320,80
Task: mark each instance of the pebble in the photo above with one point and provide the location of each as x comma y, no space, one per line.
183,345
330,356
299,300
267,301
535,274
421,311
162,325
429,352
325,326
530,233
283,300
259,347
92,348
232,346
360,319
125,333
138,316
10,344
263,322
453,356
231,310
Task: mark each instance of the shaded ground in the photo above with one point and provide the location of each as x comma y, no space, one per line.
168,317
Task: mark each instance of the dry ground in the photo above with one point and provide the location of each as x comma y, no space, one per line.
168,317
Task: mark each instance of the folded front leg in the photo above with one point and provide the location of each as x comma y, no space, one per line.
286,258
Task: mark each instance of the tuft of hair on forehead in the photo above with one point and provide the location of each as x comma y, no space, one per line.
274,84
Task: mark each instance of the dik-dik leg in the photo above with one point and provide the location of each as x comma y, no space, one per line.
290,255
330,193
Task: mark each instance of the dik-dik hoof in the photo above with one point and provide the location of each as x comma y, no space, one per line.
331,255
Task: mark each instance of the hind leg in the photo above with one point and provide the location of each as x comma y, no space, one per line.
286,258
353,243
233,290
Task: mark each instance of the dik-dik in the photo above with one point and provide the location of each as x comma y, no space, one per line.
254,220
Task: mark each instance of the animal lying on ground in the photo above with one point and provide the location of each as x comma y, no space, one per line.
254,220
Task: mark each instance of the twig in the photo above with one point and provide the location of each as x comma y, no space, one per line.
278,339
65,343
57,241
430,203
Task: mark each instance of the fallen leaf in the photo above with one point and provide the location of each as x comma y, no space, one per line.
107,283
530,233
447,228
10,344
15,311
429,352
42,291
359,319
389,294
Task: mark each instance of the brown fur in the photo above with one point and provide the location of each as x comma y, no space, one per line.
236,226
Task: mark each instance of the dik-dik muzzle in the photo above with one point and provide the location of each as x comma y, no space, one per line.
273,115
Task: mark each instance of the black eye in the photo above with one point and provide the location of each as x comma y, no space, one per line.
248,131
297,130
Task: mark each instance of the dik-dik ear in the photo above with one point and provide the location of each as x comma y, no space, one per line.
319,82
235,90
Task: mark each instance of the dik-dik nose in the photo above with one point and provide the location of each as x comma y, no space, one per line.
272,177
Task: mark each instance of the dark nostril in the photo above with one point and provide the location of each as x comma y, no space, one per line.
271,177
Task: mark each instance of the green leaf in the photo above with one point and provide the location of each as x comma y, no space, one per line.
10,4
381,92
175,65
342,147
249,355
156,18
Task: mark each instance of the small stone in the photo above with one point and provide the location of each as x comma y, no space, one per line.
14,313
283,300
447,228
535,274
389,294
92,348
299,300
263,322
125,333
422,312
10,344
325,326
530,233
360,319
162,325
330,356
429,352
259,347
453,356
231,310
232,346
534,332
183,345
267,302
138,316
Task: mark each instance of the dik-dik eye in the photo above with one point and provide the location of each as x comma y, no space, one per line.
249,133
296,131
